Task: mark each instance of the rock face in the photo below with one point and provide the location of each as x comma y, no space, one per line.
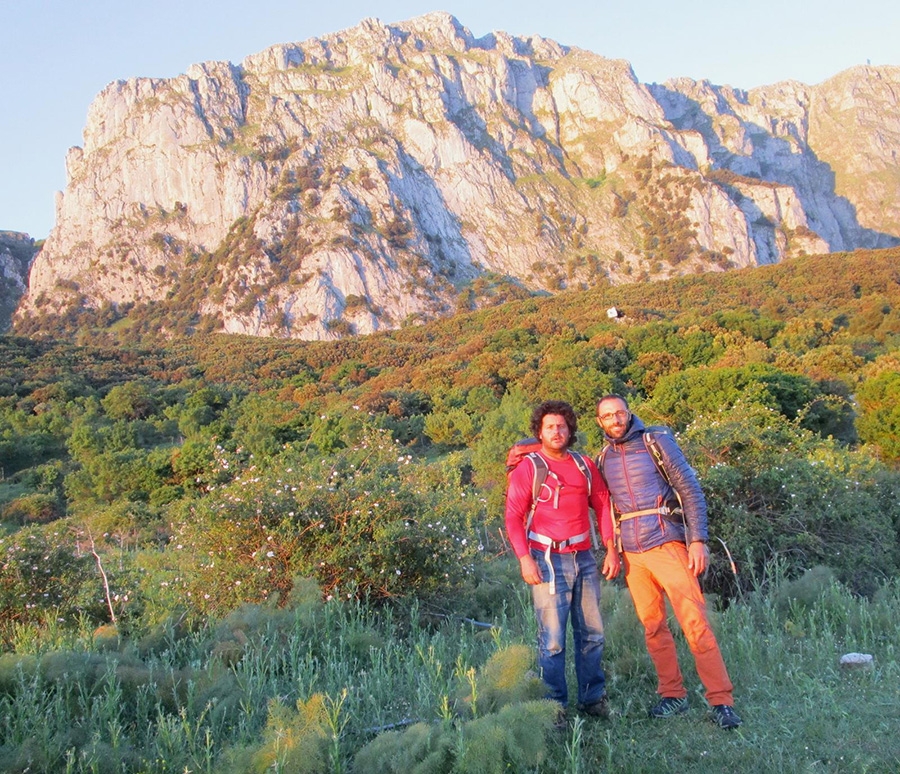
16,252
391,173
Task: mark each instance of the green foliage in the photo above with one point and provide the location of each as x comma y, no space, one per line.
682,396
295,741
361,521
775,489
43,573
129,401
502,427
131,443
35,508
508,677
233,694
879,420
515,738
420,749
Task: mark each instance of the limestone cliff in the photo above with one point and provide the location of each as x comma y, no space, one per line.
390,173
16,253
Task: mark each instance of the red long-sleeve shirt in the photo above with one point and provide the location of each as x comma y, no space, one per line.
557,518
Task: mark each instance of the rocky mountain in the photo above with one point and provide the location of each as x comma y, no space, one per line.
16,253
389,173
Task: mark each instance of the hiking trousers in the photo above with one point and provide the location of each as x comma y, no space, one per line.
576,601
651,577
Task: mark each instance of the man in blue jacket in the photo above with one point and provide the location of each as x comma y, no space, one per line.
661,517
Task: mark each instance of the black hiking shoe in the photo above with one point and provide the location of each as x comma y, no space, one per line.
599,709
669,707
724,716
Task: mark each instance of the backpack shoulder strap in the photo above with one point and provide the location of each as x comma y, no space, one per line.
582,466
601,459
649,436
541,471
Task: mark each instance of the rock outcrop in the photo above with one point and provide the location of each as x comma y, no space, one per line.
16,253
390,173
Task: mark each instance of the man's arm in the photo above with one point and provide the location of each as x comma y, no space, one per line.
518,505
684,481
599,501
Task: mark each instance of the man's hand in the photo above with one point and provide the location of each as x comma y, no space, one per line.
530,572
698,557
611,564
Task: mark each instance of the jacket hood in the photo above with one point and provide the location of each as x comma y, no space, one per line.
635,428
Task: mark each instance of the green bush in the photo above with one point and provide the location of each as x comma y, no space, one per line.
37,508
777,490
40,575
682,396
366,520
879,420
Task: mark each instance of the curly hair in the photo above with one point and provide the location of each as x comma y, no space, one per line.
559,407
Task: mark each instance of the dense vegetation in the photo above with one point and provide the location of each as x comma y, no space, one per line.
196,498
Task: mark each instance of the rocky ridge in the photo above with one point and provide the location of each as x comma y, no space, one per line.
390,173
16,253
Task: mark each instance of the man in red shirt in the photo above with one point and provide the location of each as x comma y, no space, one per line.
555,557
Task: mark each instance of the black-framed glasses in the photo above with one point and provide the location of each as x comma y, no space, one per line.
622,415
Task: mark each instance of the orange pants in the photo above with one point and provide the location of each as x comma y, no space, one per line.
664,571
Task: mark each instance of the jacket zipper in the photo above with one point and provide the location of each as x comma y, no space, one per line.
635,530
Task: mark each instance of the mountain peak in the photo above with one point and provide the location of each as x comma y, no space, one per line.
390,173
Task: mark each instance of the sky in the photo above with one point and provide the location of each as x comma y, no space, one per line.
57,55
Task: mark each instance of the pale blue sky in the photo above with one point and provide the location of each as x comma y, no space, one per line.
56,55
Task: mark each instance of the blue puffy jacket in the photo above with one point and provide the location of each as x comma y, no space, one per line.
635,484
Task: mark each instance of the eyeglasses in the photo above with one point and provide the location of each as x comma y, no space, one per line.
622,415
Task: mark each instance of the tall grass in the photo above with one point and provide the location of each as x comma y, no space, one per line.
336,686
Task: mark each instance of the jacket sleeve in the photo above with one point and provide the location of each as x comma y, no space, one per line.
600,503
684,482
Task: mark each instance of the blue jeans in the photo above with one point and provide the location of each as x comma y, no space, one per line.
577,595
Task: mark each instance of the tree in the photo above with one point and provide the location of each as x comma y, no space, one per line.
132,400
879,420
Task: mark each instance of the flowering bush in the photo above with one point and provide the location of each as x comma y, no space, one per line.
364,521
41,574
777,490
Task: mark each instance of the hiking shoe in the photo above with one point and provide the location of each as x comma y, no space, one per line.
599,709
669,707
724,716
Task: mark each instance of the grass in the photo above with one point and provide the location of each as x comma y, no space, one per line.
321,681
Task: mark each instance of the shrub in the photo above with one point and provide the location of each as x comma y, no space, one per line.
775,489
294,740
361,521
37,508
39,575
879,421
682,396
508,677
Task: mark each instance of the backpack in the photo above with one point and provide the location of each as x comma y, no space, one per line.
529,447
